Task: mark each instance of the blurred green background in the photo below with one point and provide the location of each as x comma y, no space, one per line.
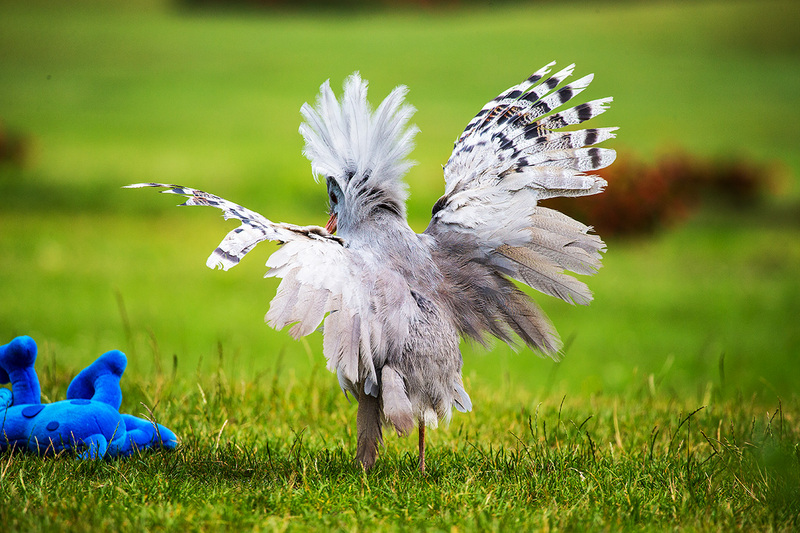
95,96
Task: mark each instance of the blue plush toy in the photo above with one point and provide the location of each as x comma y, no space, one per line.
88,421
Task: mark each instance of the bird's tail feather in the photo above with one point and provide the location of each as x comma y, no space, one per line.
368,428
396,404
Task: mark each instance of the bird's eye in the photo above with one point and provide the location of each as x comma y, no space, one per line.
333,191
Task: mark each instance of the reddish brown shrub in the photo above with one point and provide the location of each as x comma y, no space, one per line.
642,198
13,147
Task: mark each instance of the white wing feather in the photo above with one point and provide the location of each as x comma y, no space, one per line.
508,159
319,276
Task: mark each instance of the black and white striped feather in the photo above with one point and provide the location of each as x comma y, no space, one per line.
322,282
507,159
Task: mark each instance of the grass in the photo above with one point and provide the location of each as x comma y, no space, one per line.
639,462
675,406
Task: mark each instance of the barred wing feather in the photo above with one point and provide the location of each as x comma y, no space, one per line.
319,276
507,159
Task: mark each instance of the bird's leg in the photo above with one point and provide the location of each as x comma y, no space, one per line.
368,428
421,446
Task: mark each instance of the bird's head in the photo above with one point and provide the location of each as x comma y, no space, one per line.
361,153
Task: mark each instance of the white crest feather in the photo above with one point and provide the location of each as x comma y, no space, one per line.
361,149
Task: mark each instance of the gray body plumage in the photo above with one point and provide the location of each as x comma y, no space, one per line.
392,303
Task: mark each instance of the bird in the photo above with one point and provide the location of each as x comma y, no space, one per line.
393,304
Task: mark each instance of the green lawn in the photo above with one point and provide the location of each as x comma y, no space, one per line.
702,315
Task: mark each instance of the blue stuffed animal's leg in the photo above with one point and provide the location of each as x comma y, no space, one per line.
100,380
96,446
145,434
16,366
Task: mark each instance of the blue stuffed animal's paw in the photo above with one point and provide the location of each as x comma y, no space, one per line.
94,447
19,353
141,434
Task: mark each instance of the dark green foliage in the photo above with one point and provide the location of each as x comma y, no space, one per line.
327,6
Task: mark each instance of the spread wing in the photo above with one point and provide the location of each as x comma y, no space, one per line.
488,226
321,279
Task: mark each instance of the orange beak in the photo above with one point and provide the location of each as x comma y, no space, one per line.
331,225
